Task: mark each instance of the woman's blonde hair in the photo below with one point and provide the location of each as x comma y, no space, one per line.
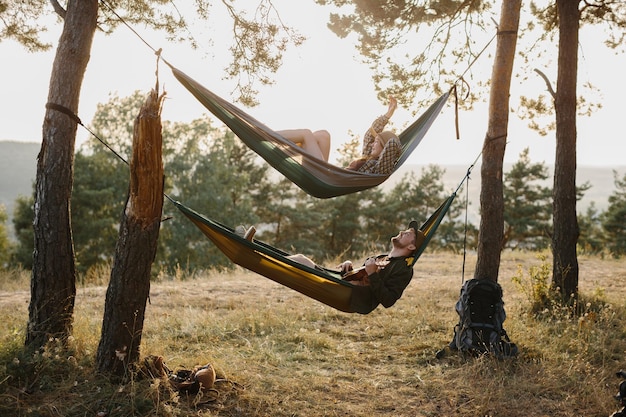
386,136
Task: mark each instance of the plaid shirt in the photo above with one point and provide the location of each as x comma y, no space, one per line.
368,139
386,161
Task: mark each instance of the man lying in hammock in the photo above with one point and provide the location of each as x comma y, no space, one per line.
381,279
381,149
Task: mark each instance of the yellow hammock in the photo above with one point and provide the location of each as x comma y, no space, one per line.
323,285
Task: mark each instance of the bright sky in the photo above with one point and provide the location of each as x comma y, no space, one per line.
321,85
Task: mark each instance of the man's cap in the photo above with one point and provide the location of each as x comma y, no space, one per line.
419,235
413,225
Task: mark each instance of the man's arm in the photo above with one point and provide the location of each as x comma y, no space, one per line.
388,284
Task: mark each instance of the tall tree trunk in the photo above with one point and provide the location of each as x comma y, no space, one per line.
129,288
53,280
565,236
491,232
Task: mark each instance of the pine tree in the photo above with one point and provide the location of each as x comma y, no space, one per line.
5,244
528,204
614,219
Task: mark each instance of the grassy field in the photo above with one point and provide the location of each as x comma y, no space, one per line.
282,354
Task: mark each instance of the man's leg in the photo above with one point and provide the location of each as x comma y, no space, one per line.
302,260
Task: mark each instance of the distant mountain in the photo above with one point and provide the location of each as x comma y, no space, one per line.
18,167
601,180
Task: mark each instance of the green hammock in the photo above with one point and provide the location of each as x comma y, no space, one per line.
315,176
323,285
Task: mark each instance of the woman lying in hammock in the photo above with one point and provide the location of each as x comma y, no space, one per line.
381,149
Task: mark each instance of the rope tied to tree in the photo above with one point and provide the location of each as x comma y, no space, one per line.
62,109
489,139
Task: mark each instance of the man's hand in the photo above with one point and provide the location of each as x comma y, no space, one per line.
371,266
345,267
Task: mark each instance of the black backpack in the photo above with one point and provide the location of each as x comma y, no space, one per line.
621,396
481,317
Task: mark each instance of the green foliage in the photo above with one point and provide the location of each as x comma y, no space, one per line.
591,239
67,367
614,220
536,285
207,169
533,110
416,198
528,205
303,226
349,151
211,171
98,197
23,215
216,175
435,61
101,181
277,208
5,244
543,26
612,15
258,42
358,221
545,302
20,21
259,47
114,123
363,223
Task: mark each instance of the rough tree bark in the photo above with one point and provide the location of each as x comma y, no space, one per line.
53,279
565,233
491,231
129,288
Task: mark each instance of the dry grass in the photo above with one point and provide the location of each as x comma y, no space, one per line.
287,355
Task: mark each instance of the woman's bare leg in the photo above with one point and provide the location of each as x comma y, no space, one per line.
315,143
323,141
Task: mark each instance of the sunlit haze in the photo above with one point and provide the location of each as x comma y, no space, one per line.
321,85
